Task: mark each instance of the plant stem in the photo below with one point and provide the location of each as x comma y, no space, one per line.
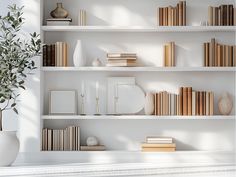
0,119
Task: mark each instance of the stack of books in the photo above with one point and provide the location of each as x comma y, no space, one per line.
158,144
59,21
219,55
55,54
93,148
188,102
173,16
221,16
169,54
61,140
121,59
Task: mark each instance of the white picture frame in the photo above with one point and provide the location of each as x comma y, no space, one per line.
63,102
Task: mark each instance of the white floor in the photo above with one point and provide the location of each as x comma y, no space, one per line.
124,170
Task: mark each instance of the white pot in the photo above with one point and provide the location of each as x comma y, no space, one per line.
9,147
78,56
225,104
149,104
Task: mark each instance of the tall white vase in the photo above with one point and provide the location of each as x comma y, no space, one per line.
79,57
149,104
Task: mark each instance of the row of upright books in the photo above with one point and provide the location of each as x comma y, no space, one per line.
186,103
218,55
61,140
158,144
169,54
121,59
173,16
224,15
55,54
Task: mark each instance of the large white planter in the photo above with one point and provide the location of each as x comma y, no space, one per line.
9,147
79,57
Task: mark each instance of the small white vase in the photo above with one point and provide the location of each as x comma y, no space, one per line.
78,56
9,147
92,141
97,62
225,104
149,104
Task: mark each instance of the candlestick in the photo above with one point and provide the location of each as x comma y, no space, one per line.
97,89
82,95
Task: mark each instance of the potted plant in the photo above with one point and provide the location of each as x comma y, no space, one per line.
16,62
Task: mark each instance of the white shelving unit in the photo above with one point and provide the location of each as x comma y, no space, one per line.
140,28
140,69
118,30
134,117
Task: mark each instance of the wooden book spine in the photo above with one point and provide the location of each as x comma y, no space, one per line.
181,13
211,103
172,54
200,103
213,16
216,16
53,63
159,104
224,15
161,16
231,15
234,56
219,16
234,16
226,55
177,16
184,13
49,55
189,101
204,103
169,15
45,55
181,101
172,16
185,101
230,56
227,16
210,15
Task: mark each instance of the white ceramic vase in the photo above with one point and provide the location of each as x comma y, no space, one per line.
225,104
149,104
9,147
78,56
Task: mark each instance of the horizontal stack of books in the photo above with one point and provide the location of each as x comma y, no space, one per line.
61,140
222,15
158,144
169,54
219,55
93,148
173,16
187,103
121,59
59,21
55,54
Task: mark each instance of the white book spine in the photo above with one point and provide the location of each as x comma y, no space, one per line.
193,103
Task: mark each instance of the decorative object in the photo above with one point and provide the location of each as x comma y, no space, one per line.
97,99
97,62
92,141
15,63
58,21
82,18
82,95
9,147
78,57
63,102
59,12
93,148
149,104
225,104
128,92
118,98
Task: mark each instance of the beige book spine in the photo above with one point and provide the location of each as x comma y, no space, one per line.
184,13
185,101
193,103
189,90
181,101
211,103
210,15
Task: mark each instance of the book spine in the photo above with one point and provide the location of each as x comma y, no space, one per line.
160,16
53,62
181,13
189,101
49,55
45,55
210,15
181,101
185,101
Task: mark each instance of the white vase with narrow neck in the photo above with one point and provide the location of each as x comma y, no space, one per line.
78,57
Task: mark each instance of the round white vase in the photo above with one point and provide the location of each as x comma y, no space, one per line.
9,147
92,141
78,56
149,104
225,104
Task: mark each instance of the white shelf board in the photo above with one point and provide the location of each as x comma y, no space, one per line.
140,28
140,69
134,117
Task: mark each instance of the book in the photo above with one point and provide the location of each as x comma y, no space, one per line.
153,145
189,101
93,148
121,55
185,101
121,64
157,149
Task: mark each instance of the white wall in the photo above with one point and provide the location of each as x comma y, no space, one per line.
28,121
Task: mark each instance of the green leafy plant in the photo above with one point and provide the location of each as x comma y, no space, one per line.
16,55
